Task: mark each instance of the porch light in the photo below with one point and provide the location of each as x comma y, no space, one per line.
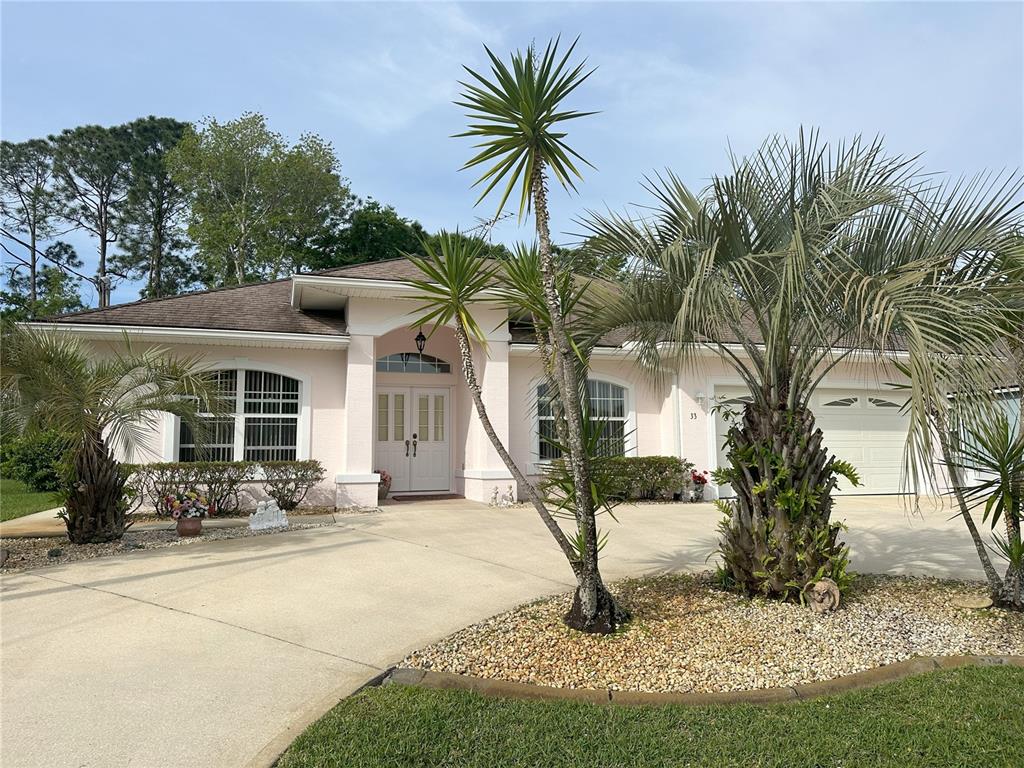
421,341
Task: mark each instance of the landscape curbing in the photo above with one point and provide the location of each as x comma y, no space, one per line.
867,679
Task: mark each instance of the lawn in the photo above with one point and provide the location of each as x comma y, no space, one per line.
17,501
965,717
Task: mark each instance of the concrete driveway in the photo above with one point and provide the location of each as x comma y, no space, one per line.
218,654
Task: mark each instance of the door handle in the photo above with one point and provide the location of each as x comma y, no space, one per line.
407,449
414,442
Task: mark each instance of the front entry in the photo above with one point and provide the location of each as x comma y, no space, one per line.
413,438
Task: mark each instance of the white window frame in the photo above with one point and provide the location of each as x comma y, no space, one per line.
537,465
172,426
408,357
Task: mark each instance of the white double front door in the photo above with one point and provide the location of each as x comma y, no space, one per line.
413,438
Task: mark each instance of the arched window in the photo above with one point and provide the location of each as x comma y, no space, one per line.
263,424
607,406
412,362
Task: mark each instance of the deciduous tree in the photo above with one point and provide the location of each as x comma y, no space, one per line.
256,203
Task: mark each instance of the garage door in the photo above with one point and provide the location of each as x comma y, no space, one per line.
864,427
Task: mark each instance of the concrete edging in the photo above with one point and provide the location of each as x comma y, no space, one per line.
858,680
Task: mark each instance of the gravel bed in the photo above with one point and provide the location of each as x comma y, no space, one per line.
686,635
25,554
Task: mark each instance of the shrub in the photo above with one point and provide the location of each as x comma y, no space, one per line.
648,477
639,477
36,460
220,481
223,481
288,482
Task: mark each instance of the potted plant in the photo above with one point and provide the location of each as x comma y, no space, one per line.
700,479
384,485
189,509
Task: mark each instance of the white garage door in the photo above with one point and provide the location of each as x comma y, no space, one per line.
864,427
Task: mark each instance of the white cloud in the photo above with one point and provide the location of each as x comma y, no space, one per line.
399,62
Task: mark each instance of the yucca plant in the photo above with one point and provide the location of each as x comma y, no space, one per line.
517,116
455,277
52,381
984,453
806,255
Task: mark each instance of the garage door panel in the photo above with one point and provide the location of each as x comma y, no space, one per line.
855,429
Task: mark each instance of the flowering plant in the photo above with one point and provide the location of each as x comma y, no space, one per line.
189,504
699,478
385,477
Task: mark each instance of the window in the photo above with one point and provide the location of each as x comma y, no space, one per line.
412,362
607,406
879,402
263,424
842,402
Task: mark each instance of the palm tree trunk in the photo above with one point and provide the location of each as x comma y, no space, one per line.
995,584
594,609
779,536
94,504
473,384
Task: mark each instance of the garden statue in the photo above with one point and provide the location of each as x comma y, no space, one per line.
823,595
267,515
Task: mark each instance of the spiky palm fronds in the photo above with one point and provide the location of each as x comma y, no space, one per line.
517,115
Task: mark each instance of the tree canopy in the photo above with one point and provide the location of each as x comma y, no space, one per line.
257,205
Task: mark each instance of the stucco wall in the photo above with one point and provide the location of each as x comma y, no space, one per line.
650,421
321,371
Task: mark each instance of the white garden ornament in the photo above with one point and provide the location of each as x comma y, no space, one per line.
267,515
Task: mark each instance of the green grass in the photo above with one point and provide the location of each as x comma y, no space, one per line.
17,501
966,717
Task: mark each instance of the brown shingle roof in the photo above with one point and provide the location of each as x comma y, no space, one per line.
399,269
257,307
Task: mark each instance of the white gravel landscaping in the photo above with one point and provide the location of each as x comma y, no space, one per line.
686,635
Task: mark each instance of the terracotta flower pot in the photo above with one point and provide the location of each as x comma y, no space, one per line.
190,526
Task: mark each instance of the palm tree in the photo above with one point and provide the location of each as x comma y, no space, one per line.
52,381
518,117
803,256
455,277
977,436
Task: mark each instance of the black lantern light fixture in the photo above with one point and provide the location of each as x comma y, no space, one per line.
421,341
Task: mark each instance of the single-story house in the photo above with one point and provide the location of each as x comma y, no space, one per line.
326,366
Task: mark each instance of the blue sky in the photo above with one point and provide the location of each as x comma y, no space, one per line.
677,83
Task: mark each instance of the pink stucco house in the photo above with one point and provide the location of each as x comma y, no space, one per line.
326,366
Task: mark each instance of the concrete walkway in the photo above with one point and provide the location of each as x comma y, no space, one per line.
218,654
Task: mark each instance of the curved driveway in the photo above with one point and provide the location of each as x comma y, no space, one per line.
218,654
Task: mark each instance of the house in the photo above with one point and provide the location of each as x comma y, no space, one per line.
327,366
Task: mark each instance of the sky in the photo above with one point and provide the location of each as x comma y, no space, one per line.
678,84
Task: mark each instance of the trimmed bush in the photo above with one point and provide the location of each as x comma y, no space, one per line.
288,482
629,478
36,460
648,477
222,482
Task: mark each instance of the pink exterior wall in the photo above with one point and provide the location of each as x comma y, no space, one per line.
650,423
672,417
323,375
